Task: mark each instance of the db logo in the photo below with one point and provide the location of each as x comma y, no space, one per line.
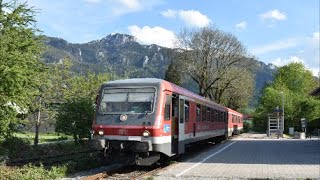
122,132
166,128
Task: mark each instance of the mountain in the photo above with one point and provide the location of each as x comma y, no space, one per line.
117,53
123,56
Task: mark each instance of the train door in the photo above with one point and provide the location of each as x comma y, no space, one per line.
175,124
181,136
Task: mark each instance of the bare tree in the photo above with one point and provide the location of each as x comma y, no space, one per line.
208,55
235,89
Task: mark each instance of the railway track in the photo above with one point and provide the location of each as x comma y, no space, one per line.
123,172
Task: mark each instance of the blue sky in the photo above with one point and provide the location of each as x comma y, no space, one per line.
275,31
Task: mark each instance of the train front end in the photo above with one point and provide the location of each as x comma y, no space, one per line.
127,120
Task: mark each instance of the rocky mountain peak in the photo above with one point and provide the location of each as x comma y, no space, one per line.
118,39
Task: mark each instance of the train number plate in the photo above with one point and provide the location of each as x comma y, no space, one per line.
122,132
134,138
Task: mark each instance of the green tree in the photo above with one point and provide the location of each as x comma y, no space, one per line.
234,89
294,82
76,112
75,117
20,50
173,73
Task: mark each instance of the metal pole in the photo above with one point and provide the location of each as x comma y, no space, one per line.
282,112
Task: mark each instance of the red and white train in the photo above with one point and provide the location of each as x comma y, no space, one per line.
152,118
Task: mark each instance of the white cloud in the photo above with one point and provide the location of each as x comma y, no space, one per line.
194,18
190,17
153,35
121,7
241,25
275,46
169,13
304,49
312,52
283,61
131,4
92,1
274,15
316,39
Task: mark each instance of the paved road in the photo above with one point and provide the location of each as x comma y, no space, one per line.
252,156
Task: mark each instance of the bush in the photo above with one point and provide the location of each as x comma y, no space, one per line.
247,126
32,172
12,146
75,118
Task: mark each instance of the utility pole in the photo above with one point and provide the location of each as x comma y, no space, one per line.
282,112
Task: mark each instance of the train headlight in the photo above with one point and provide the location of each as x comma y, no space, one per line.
100,132
123,117
146,133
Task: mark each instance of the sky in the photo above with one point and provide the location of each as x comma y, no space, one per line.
274,31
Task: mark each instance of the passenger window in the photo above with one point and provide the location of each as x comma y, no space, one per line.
204,113
167,107
215,115
212,115
208,114
186,111
225,117
198,111
181,110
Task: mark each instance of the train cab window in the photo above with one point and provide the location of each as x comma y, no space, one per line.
198,112
204,113
127,101
186,111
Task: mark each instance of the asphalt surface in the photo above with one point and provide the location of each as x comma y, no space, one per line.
252,156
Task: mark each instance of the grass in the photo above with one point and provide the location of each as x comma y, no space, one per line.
43,137
32,172
17,149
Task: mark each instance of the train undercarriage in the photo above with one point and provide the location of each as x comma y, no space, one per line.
129,152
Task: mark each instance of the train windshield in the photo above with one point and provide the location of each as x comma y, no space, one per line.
127,100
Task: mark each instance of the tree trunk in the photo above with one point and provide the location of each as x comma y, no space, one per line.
36,137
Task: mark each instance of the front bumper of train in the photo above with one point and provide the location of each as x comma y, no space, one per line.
120,145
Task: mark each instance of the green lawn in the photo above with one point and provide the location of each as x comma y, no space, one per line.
43,137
